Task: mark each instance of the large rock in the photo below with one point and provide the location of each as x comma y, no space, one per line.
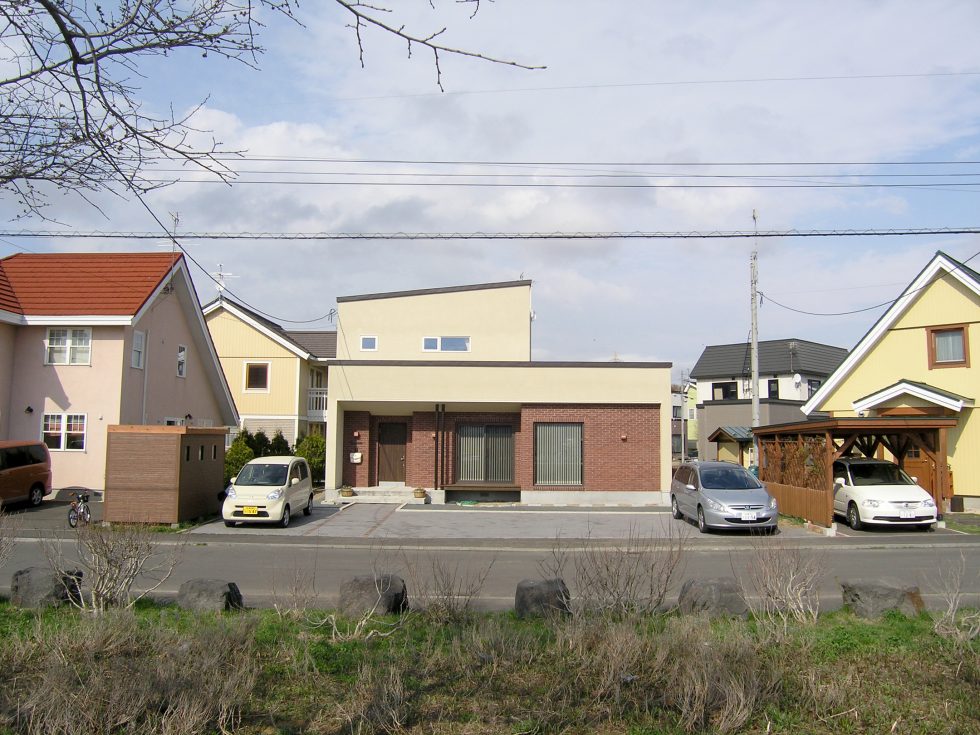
37,587
209,594
719,597
378,594
872,598
541,597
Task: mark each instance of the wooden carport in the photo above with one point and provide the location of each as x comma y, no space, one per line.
796,459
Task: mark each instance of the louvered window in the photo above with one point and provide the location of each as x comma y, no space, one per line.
485,453
558,454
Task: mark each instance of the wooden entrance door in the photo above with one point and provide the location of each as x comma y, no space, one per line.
392,439
918,465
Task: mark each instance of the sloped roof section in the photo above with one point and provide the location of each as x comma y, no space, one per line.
318,344
776,357
732,433
315,343
81,284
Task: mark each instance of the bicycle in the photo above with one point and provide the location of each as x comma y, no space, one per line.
79,510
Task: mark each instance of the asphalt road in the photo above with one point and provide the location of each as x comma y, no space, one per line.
308,563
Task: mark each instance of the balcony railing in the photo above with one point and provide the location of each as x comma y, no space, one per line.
316,403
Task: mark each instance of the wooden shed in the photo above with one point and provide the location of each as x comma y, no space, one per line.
163,474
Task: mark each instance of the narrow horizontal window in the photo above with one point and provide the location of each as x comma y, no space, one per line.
446,344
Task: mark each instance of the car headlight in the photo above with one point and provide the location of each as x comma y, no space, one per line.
772,503
275,494
714,504
928,503
870,503
230,491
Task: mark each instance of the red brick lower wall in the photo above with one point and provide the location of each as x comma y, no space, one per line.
610,461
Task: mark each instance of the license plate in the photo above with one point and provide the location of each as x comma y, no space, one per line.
906,514
750,516
250,510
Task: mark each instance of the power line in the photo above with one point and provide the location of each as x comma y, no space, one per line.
635,235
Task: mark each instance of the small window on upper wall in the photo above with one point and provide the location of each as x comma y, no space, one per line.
181,361
257,376
369,344
446,344
949,346
68,347
812,386
773,389
724,391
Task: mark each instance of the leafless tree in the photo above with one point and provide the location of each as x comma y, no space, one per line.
70,112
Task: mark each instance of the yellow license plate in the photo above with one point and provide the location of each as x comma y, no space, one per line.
250,510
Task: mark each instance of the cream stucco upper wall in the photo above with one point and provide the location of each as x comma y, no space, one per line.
239,343
903,351
497,321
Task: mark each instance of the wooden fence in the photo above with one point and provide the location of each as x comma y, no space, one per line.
797,473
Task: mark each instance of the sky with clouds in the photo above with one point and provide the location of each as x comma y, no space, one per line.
664,84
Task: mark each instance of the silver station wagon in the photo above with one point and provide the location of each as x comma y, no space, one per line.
721,495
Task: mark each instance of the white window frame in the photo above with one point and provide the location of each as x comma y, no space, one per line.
63,432
71,348
174,421
181,361
268,376
138,356
369,349
439,344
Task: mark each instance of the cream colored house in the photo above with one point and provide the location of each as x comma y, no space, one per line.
92,340
921,362
436,388
278,378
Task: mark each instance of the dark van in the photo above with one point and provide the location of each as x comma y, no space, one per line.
25,472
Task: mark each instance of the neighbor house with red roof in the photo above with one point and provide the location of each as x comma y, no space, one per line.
88,340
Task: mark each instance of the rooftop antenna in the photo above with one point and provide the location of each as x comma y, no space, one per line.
219,276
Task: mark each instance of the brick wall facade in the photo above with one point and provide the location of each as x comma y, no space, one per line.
610,462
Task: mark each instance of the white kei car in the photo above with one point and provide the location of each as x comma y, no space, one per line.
873,491
269,490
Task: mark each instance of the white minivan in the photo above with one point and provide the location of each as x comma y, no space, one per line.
874,491
269,490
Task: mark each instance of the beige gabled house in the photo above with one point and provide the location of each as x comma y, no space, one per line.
89,340
436,388
278,377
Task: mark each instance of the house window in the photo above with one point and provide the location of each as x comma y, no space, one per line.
257,376
369,344
812,386
676,444
485,453
68,347
677,412
446,344
949,347
173,421
139,349
558,454
181,361
690,414
316,378
773,388
725,391
64,431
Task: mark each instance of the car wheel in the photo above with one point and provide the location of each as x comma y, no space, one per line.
284,523
925,527
37,495
702,526
853,517
230,524
308,510
675,509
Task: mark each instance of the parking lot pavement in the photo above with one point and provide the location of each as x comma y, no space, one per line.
510,523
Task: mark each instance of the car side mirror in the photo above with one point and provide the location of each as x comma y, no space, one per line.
294,481
234,479
839,481
915,479
691,487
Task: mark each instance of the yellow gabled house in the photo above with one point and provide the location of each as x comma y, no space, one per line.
921,359
278,377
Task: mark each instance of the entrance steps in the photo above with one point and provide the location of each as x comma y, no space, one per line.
399,494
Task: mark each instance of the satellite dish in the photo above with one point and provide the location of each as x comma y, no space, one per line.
797,379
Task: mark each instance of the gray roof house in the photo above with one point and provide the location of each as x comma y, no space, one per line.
790,371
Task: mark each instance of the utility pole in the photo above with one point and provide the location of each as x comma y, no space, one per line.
754,269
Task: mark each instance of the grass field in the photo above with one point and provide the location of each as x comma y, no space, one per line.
161,669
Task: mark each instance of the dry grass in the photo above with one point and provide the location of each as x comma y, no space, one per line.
443,592
9,528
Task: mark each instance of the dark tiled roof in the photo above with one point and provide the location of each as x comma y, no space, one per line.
961,267
318,344
76,284
736,433
776,357
429,291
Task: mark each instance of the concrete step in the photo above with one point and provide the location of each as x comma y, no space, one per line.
390,494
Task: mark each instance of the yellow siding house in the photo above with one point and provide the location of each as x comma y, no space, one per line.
921,359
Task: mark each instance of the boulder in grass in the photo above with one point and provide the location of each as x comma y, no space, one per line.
872,598
719,597
379,594
209,594
38,587
541,598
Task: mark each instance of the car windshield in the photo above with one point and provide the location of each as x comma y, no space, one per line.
262,474
728,478
879,474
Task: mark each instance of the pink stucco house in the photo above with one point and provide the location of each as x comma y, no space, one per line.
88,340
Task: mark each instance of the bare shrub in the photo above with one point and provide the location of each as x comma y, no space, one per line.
298,594
121,564
365,627
117,675
953,622
631,577
443,591
379,701
782,581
